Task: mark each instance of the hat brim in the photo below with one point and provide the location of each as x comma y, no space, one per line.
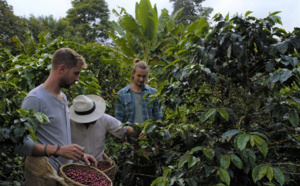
99,111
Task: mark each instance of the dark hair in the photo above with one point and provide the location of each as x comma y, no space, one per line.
68,57
139,64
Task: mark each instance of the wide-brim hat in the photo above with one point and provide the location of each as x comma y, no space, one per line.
87,108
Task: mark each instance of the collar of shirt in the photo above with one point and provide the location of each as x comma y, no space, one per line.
146,87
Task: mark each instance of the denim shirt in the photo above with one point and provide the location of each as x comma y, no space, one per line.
125,105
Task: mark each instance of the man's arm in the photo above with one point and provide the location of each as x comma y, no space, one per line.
131,132
73,151
114,127
157,111
27,147
119,110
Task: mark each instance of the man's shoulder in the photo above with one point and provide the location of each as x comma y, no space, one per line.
35,93
108,119
33,99
124,90
150,89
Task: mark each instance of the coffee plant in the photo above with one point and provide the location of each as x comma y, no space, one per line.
231,104
230,99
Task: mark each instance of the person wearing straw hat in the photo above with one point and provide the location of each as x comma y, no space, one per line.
89,124
54,137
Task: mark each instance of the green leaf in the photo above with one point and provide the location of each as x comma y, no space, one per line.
227,17
22,112
229,51
284,75
274,13
210,113
262,172
263,148
208,152
228,134
39,116
223,112
33,136
215,77
294,118
183,159
192,161
129,24
257,139
136,11
247,13
274,78
260,134
255,172
282,47
236,161
195,149
209,170
198,27
270,173
252,142
295,42
177,13
225,161
278,175
149,127
148,19
30,128
19,132
251,156
118,29
224,175
242,141
46,119
295,61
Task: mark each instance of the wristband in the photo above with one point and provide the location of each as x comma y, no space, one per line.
55,155
45,151
48,155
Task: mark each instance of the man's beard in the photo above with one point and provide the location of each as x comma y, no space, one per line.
64,84
141,85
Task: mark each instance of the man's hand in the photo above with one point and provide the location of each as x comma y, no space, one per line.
73,151
131,132
89,159
142,135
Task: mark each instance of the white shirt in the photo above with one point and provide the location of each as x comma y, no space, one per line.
93,137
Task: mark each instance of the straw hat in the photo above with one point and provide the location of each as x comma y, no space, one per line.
87,108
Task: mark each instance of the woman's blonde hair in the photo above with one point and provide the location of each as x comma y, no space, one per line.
139,64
